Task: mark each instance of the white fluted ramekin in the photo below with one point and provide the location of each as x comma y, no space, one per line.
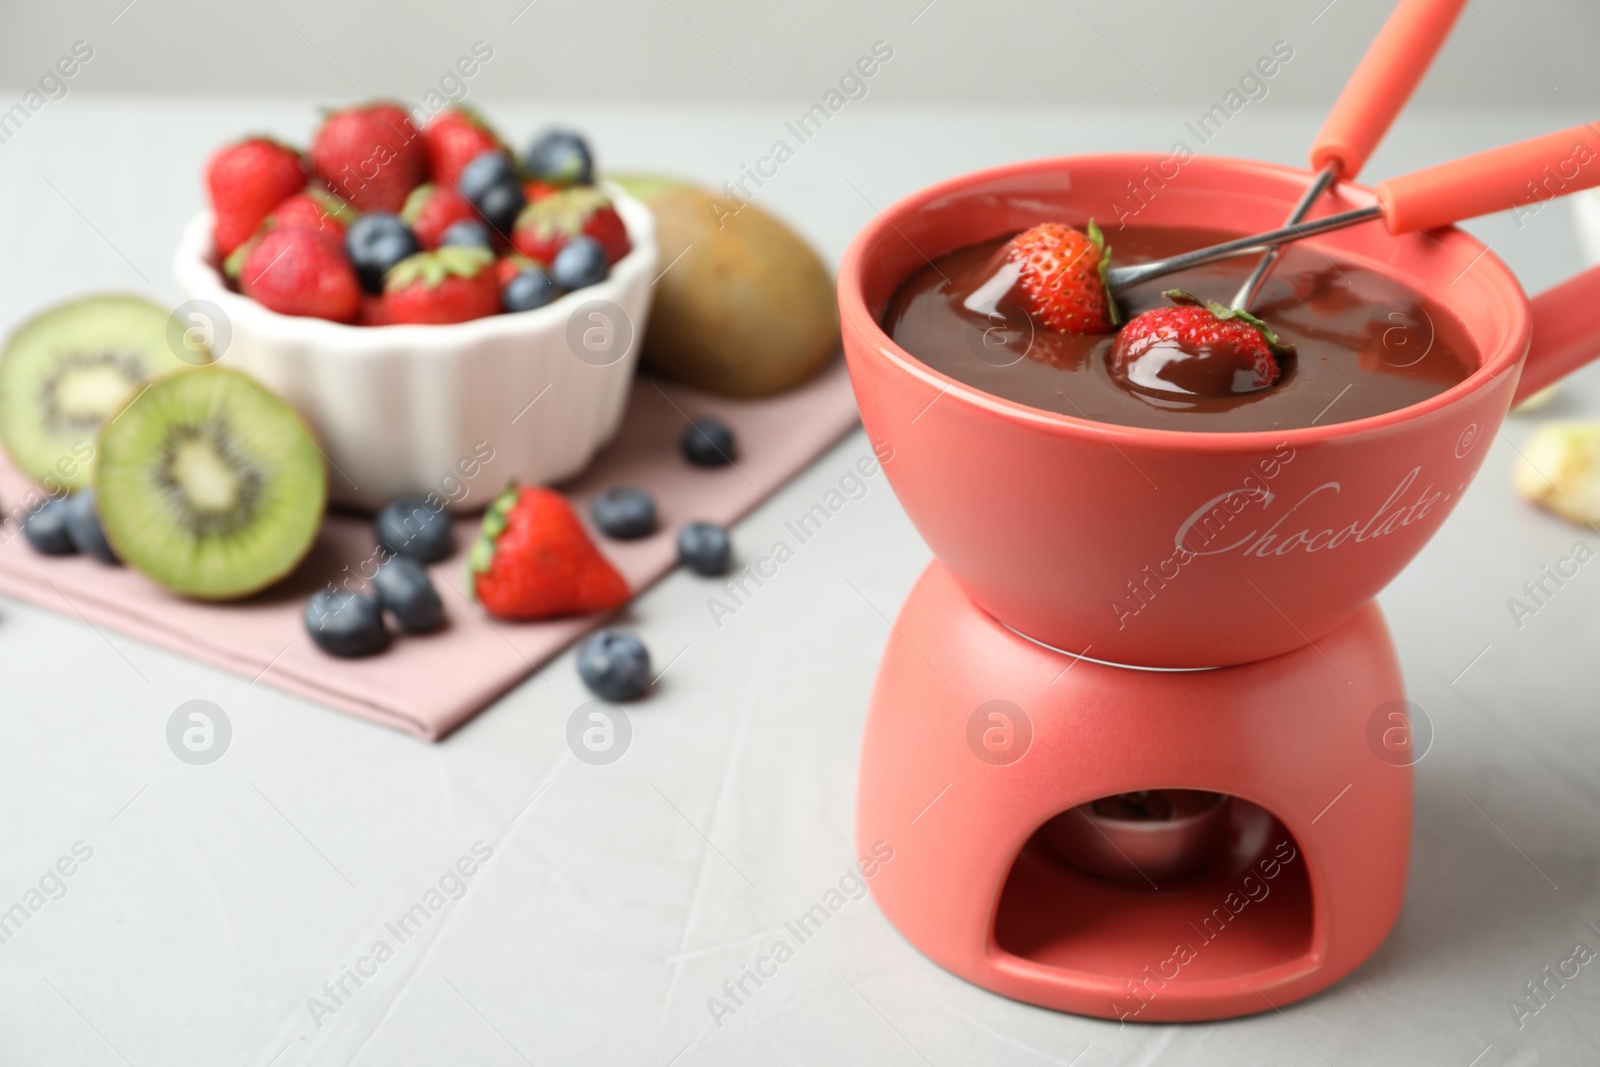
414,410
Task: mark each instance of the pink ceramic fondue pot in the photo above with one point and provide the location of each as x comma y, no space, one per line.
1163,548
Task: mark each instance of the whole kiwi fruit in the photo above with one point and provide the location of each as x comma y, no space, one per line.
749,309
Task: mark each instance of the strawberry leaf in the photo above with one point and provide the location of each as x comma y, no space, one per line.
564,212
1223,313
464,261
481,554
1099,239
416,200
233,266
1278,345
332,207
429,269
418,268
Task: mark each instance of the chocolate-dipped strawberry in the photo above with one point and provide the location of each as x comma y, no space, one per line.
1056,274
1198,350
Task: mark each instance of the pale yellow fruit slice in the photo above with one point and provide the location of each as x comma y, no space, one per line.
1560,470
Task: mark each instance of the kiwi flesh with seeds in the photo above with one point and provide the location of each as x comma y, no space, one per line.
209,484
65,370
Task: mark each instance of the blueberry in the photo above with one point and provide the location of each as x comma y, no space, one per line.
501,205
346,624
614,665
490,181
84,529
375,242
580,262
704,548
411,527
708,443
405,591
472,233
485,170
531,288
624,512
46,528
561,157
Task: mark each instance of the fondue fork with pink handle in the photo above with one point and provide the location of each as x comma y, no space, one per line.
1499,179
1380,86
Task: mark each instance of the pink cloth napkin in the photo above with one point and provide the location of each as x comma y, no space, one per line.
429,685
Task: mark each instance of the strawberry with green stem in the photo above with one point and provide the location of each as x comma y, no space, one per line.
456,283
534,560
1061,277
547,224
245,182
371,156
1198,349
301,271
452,139
433,208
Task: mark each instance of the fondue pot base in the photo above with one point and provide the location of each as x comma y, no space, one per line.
977,739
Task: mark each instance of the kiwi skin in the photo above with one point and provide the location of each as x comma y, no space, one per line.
62,465
748,309
238,590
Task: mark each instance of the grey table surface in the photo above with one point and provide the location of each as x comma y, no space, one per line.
218,900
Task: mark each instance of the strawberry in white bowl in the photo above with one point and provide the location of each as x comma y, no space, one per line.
376,285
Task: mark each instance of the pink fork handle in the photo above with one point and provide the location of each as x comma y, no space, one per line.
1501,179
1382,83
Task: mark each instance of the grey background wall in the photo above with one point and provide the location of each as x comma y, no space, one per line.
1042,51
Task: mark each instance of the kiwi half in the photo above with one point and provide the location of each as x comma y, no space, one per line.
209,484
65,370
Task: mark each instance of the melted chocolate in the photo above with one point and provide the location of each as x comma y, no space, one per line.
1365,343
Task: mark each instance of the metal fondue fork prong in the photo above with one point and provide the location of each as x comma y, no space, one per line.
1122,277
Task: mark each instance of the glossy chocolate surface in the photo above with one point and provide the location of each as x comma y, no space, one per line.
1365,343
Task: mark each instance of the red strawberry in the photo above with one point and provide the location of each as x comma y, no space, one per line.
453,137
451,284
308,211
432,209
548,223
314,209
533,560
371,156
301,272
537,190
245,182
509,266
1197,350
1062,279
372,312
